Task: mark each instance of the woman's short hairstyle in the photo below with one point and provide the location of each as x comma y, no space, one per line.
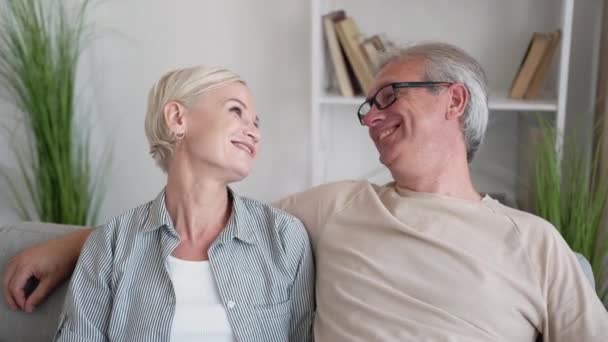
184,86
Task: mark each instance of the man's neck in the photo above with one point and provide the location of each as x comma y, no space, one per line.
451,179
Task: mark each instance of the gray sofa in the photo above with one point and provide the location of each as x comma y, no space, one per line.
17,326
40,325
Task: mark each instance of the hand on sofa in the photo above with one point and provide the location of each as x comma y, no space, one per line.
50,262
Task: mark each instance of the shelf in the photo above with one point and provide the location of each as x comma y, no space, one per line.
341,100
502,102
497,103
499,57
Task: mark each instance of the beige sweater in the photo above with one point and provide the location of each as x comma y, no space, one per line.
396,265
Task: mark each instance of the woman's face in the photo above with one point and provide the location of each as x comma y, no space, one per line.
221,133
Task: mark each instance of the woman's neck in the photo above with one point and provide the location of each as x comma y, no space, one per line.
198,206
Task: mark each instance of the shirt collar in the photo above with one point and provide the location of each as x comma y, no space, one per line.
158,215
238,225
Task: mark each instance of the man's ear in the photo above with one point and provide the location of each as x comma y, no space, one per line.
173,112
459,98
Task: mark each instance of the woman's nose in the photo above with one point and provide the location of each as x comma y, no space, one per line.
253,132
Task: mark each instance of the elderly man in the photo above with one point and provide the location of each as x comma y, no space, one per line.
425,257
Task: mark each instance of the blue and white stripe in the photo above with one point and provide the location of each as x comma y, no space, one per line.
262,263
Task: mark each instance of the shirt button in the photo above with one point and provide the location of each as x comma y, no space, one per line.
231,304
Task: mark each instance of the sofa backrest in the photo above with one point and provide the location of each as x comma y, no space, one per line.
41,324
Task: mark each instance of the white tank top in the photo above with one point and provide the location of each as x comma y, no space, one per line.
199,313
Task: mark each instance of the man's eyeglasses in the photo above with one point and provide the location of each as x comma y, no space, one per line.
387,95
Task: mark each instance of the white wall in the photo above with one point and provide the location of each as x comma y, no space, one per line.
267,42
138,40
585,54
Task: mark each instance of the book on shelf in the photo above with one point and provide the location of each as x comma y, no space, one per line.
538,47
373,48
336,56
352,59
350,38
539,77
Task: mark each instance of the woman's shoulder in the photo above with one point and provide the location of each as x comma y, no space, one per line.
269,222
277,235
127,224
129,218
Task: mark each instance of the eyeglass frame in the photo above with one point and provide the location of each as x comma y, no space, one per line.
396,85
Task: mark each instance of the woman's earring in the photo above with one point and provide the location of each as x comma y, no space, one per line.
180,136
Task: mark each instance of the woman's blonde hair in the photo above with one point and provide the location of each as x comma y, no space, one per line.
183,86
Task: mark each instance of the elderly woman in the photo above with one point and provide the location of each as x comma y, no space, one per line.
198,262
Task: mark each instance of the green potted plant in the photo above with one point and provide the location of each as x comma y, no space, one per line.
571,193
40,45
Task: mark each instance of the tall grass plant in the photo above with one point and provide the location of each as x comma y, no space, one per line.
40,45
571,193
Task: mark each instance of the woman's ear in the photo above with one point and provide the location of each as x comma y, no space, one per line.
459,98
173,113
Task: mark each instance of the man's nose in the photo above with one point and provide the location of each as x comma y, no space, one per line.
374,117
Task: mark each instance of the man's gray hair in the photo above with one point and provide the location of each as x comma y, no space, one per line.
448,63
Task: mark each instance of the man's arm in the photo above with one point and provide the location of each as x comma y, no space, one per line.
314,206
51,262
574,311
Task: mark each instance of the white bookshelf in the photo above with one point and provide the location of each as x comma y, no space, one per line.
513,32
498,101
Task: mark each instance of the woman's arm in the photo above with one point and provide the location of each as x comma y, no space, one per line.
50,262
303,291
88,304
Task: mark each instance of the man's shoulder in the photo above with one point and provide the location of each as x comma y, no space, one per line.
540,240
314,207
256,209
339,192
527,224
347,186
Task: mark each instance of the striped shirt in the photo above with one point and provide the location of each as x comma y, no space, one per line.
262,263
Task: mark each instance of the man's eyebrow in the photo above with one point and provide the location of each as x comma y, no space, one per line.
236,100
375,90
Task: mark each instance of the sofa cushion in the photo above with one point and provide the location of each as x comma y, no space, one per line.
41,324
586,267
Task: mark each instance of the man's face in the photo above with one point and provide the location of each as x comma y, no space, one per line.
411,132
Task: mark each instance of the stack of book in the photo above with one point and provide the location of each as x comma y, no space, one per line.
533,69
353,58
